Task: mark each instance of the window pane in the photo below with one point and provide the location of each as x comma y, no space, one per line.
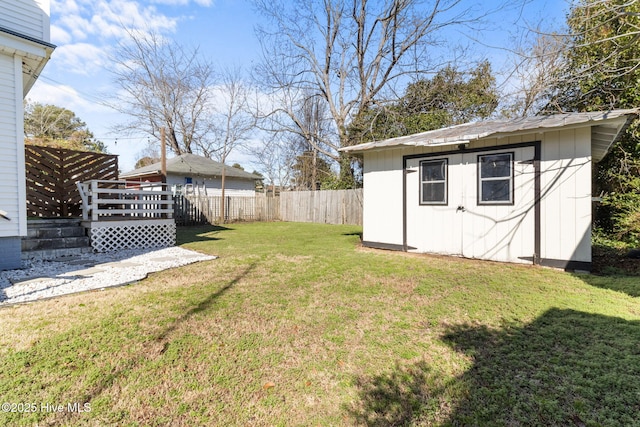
433,192
495,166
433,171
496,190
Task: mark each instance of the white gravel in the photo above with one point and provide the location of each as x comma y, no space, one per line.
44,279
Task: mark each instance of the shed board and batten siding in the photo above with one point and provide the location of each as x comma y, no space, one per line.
27,17
382,199
565,181
566,195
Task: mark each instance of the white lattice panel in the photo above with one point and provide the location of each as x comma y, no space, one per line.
133,236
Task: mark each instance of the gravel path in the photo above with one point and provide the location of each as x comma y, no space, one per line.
45,279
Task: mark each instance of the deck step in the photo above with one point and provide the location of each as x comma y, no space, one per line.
34,244
54,238
52,254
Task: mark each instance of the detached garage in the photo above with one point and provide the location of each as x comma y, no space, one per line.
514,191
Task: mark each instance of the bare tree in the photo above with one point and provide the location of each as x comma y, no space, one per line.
535,71
347,53
164,85
232,121
276,157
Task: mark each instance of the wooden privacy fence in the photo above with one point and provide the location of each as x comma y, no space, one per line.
329,207
52,174
195,209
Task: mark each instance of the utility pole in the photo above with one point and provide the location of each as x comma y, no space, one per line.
163,166
222,202
163,156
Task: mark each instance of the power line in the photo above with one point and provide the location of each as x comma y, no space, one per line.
73,91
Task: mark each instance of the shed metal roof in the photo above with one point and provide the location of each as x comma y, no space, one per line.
190,165
606,126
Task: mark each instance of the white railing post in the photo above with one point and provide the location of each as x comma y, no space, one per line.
95,196
82,189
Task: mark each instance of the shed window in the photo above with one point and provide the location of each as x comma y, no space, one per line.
433,182
495,179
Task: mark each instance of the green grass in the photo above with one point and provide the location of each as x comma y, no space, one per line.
295,324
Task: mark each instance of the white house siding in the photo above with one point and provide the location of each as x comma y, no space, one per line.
382,187
233,186
28,20
27,17
12,186
12,176
566,195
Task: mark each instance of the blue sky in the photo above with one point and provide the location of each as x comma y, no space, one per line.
85,31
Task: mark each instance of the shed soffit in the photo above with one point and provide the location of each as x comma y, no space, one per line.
606,127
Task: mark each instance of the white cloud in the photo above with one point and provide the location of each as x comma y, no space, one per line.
111,17
63,96
79,58
103,20
59,36
204,3
64,7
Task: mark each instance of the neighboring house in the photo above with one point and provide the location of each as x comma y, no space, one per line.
516,191
189,173
24,51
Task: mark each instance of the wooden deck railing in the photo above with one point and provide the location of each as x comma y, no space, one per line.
110,200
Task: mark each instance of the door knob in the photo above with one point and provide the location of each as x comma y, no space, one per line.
461,208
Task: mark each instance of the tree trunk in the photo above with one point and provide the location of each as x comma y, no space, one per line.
222,201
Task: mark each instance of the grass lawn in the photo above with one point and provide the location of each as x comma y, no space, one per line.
295,324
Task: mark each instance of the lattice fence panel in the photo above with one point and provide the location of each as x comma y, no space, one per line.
51,176
135,236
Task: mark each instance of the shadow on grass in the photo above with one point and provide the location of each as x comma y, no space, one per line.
408,395
199,233
73,354
629,285
355,233
566,368
162,338
609,260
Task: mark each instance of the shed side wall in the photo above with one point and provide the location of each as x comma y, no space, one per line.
566,195
383,198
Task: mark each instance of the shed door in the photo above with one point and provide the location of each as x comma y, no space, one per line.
478,205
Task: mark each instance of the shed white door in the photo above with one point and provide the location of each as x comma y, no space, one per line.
477,205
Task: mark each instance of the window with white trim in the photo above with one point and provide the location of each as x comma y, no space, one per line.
433,182
495,179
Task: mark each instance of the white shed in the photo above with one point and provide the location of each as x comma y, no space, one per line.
24,51
515,191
